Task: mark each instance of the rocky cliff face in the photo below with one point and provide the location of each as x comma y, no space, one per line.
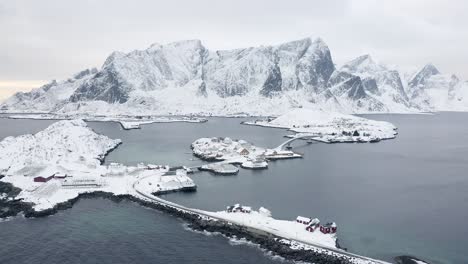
164,79
432,90
381,83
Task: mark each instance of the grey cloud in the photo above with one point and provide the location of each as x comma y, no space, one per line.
53,39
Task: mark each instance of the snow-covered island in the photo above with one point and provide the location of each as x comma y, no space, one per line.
230,151
330,127
64,161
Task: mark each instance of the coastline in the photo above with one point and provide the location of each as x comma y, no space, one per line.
196,222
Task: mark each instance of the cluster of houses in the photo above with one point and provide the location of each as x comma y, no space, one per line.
314,224
237,208
219,147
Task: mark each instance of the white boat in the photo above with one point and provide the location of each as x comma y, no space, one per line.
224,169
255,164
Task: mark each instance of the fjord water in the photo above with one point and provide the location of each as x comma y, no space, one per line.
397,197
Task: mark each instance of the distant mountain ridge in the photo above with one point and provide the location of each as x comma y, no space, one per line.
186,78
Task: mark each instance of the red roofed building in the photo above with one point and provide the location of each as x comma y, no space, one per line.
42,179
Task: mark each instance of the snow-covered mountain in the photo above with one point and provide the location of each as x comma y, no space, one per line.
186,78
433,90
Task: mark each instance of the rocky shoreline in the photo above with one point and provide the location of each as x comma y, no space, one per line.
409,260
10,208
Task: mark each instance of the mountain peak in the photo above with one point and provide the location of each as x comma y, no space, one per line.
425,73
362,64
430,69
190,44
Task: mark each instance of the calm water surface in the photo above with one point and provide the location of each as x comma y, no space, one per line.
402,196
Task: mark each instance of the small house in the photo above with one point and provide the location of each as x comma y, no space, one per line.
243,152
246,209
230,209
313,225
303,220
60,176
42,179
329,228
233,208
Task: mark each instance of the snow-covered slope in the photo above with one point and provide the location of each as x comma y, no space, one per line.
49,96
59,145
186,78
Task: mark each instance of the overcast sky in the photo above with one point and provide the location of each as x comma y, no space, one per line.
43,40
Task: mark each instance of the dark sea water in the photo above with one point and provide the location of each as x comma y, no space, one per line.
396,197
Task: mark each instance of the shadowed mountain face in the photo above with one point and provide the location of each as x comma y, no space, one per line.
300,72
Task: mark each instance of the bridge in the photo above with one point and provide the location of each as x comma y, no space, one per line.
288,142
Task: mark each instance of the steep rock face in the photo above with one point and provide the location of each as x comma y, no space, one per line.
420,78
302,64
384,84
351,92
289,55
347,85
370,86
273,82
237,72
435,91
316,66
105,86
155,68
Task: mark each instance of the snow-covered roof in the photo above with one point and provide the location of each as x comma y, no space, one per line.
332,224
302,218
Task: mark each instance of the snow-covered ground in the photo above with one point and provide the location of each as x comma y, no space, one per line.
330,127
283,228
71,153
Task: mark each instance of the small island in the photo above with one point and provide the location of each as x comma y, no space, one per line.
329,127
